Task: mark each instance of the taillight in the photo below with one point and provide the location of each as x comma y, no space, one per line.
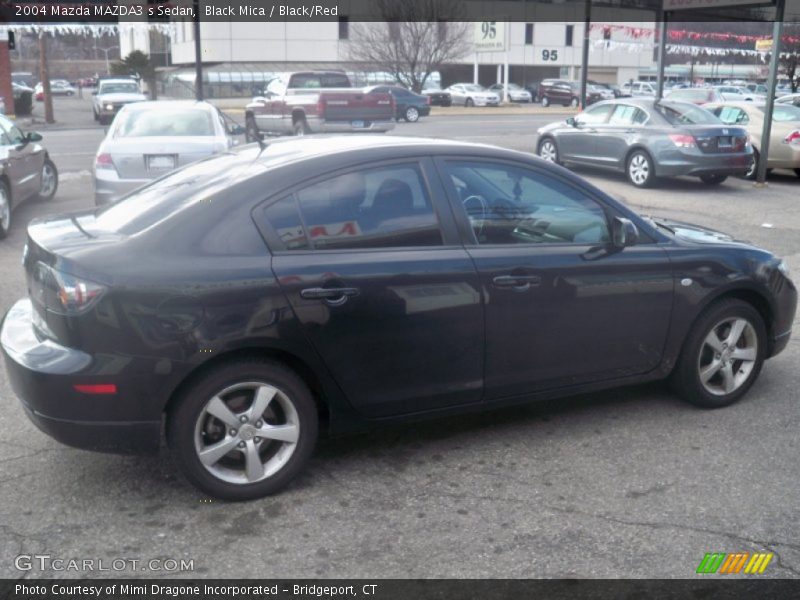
104,161
682,140
793,138
95,388
61,292
320,107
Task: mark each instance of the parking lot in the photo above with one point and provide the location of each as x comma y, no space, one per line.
625,483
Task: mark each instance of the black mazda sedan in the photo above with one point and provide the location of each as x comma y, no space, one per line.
243,302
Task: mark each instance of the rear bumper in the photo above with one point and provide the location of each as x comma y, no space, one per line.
684,163
42,374
108,187
347,126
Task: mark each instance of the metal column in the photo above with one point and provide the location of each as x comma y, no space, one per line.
585,58
777,32
662,52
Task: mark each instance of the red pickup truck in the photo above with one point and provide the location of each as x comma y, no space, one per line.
317,102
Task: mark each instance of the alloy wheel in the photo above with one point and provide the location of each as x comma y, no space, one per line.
246,433
412,114
548,151
48,180
639,169
727,356
5,211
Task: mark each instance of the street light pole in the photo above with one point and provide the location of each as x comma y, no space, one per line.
777,32
198,57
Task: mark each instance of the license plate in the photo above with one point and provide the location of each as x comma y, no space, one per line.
725,142
161,162
358,124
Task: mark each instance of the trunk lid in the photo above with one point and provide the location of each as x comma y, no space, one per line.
718,139
150,157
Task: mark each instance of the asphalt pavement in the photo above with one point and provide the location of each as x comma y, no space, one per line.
626,483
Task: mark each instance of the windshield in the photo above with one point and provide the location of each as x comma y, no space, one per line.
686,114
119,88
784,112
315,80
165,122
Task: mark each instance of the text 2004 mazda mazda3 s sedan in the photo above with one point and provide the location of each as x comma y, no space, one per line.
244,300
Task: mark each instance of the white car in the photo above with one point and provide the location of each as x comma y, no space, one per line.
639,89
790,99
516,93
733,93
605,93
58,87
112,95
472,94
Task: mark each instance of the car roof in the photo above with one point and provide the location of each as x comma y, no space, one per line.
119,80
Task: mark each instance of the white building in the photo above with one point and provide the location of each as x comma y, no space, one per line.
534,51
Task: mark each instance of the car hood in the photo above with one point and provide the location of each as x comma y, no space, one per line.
695,233
121,97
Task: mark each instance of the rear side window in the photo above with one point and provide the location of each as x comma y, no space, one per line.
384,207
627,115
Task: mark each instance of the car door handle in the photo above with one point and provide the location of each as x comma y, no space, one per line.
521,282
333,296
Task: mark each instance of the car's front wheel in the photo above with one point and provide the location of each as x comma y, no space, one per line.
545,101
250,129
47,191
469,102
548,150
574,103
640,170
243,430
722,355
412,114
5,210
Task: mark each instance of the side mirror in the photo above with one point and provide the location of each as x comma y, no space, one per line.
236,130
33,136
572,122
624,232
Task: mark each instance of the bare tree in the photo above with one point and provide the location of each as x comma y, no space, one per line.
415,38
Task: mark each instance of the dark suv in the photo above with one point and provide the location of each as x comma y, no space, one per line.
244,301
568,93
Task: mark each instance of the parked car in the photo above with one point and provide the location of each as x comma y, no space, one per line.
784,146
472,94
235,302
88,82
789,99
317,102
516,93
58,87
568,93
639,89
607,87
113,94
698,96
756,88
150,139
438,97
646,139
26,169
739,94
541,88
408,105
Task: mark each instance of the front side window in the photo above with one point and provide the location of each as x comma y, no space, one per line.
384,207
507,204
624,114
10,134
595,114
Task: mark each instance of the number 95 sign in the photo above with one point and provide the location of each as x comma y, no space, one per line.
490,36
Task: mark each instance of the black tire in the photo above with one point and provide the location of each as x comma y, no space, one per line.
104,120
543,152
753,172
686,378
300,127
469,102
639,161
411,114
797,172
96,118
49,193
545,101
574,103
189,406
5,209
250,129
713,179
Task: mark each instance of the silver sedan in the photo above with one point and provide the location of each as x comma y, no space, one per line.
150,139
646,139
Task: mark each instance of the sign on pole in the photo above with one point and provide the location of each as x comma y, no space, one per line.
490,36
764,45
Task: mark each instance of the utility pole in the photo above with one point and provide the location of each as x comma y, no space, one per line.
198,56
587,23
777,33
44,75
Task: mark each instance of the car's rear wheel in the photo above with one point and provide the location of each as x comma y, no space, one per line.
243,430
797,172
640,170
545,101
713,179
574,103
722,355
412,114
47,191
250,129
753,170
300,126
469,102
5,210
548,150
